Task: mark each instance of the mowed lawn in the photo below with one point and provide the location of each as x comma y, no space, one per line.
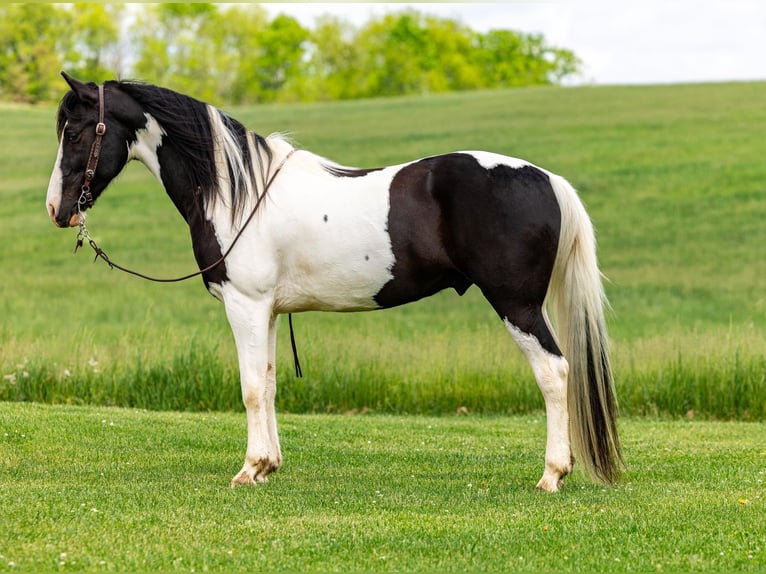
105,489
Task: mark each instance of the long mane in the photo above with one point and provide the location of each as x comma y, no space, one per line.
201,134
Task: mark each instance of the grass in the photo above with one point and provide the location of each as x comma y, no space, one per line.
380,373
672,176
105,489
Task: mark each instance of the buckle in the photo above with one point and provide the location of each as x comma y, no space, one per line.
100,128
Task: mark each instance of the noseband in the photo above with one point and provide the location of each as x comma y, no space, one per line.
85,200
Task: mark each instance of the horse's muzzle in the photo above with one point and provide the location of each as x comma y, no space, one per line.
72,220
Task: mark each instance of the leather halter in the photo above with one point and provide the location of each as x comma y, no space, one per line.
86,197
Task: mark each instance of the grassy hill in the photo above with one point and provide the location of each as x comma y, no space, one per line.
674,179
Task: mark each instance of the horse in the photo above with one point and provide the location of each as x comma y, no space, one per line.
335,238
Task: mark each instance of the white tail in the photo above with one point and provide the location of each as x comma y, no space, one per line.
578,301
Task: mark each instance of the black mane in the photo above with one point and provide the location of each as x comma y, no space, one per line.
187,125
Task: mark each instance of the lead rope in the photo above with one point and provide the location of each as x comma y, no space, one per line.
296,362
83,235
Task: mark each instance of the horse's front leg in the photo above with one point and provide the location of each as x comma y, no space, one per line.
254,325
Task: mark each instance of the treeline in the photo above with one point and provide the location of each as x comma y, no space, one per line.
240,54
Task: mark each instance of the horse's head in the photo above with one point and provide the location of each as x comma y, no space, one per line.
96,126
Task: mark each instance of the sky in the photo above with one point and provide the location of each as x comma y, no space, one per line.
619,42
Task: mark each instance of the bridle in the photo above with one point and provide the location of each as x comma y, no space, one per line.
86,197
86,201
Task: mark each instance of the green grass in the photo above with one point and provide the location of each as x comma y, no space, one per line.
672,176
107,489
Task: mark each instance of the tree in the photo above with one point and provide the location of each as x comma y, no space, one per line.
177,47
510,59
241,45
33,38
238,54
335,60
449,56
279,60
95,52
393,47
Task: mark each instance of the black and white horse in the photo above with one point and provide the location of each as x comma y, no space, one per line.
333,238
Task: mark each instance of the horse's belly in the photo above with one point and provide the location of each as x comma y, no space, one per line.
337,272
334,250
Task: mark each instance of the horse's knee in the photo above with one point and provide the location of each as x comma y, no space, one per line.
254,394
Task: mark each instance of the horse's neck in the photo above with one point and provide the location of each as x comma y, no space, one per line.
166,162
187,200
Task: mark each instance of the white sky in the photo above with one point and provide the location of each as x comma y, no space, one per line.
619,42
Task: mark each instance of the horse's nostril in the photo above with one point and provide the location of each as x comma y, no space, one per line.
52,212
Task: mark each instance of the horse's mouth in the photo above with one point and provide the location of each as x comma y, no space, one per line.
76,219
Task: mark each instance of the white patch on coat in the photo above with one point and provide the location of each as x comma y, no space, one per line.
488,160
56,183
319,242
543,363
148,141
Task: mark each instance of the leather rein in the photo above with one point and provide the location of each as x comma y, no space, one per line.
86,201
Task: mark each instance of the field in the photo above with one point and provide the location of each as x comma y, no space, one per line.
97,479
673,178
109,489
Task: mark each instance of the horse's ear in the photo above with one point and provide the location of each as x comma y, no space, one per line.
86,92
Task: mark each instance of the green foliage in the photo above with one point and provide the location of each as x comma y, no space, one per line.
103,489
510,59
38,40
236,54
279,67
335,62
169,52
32,46
95,54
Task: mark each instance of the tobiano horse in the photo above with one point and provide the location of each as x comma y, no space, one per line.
334,238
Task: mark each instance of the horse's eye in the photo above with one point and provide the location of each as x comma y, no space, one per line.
72,136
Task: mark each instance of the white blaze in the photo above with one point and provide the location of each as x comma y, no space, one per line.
55,185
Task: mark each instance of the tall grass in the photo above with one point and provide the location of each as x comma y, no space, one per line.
720,375
717,377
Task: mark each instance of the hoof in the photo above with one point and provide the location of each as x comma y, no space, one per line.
548,484
248,478
553,477
254,474
553,480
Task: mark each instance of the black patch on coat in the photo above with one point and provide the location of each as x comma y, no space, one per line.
454,223
187,164
190,204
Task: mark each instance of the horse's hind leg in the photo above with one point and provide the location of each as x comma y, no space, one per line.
534,338
526,321
518,298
